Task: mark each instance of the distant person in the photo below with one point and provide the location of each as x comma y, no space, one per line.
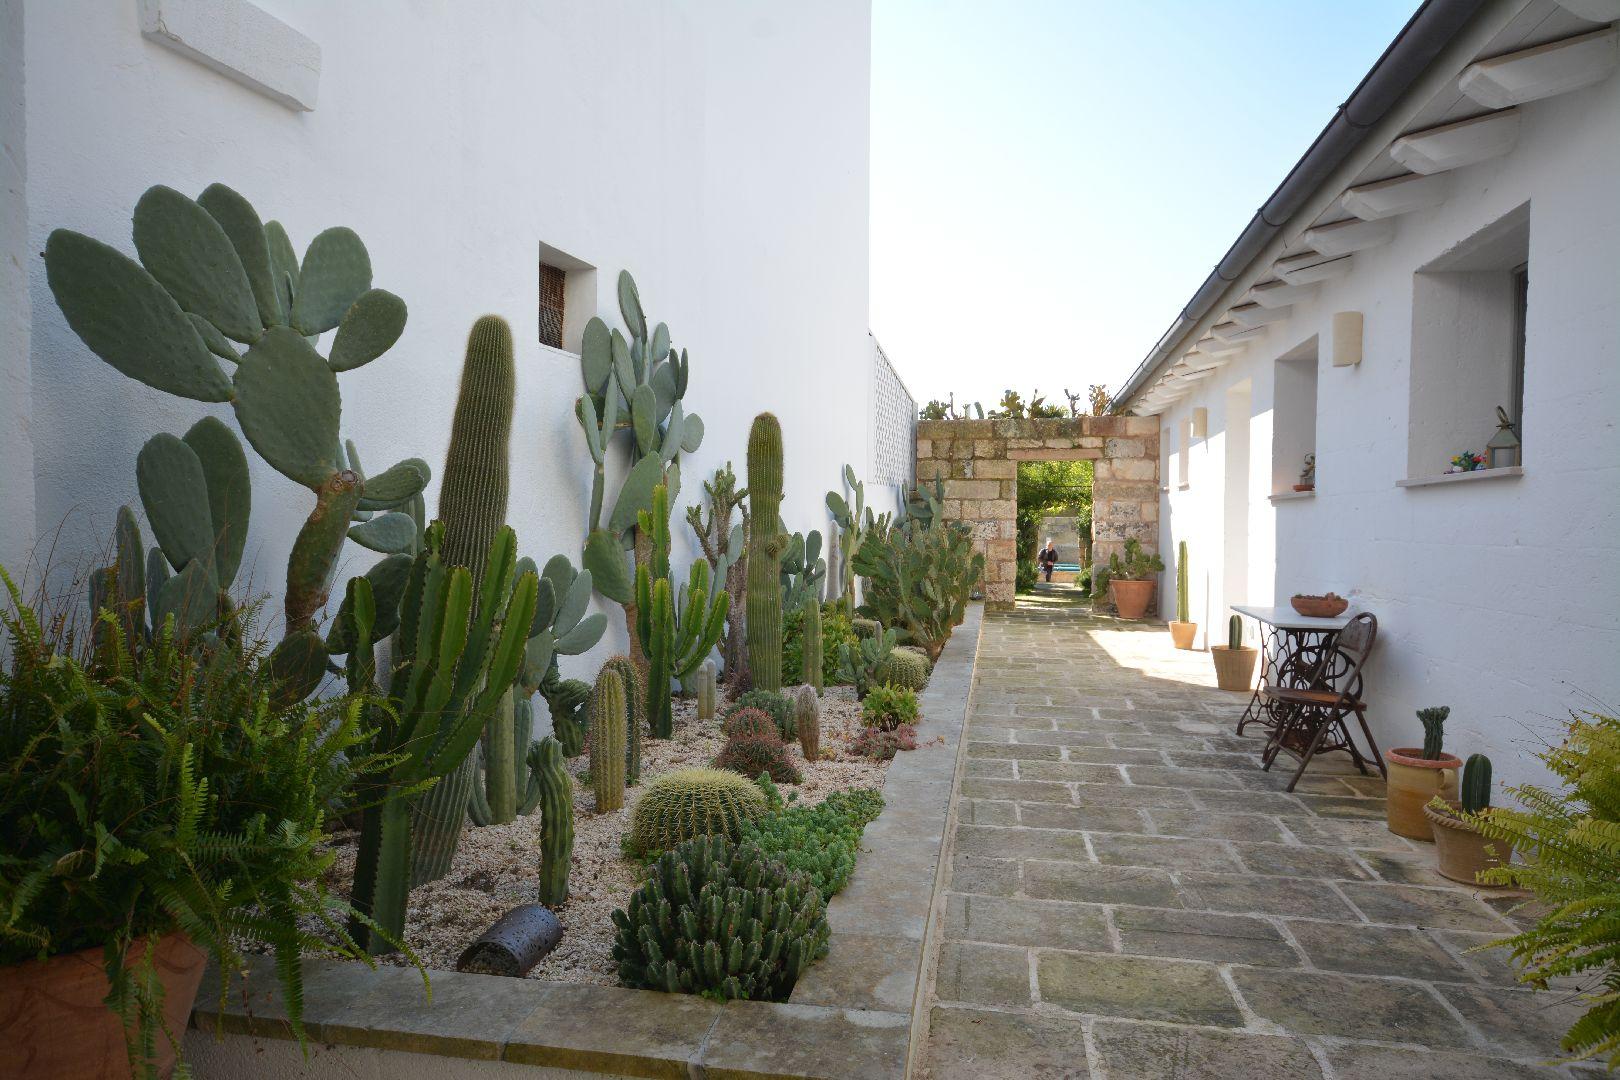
1048,559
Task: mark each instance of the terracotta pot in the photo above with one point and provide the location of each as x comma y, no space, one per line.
1319,607
53,1022
1182,633
1234,668
1413,781
1132,597
1461,850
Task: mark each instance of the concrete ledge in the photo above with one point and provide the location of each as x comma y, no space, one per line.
851,1015
1462,477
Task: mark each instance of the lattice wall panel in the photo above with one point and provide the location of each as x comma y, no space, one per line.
895,416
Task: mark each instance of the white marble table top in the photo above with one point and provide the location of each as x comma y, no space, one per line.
1286,618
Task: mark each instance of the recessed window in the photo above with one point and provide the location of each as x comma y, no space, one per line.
1293,432
1184,461
552,288
1469,308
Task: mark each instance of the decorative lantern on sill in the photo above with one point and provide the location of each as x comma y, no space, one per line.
1504,445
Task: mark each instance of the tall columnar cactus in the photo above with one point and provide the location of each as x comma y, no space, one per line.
556,821
707,690
1183,612
807,720
766,544
637,385
472,505
212,278
635,713
450,667
1234,633
726,547
1476,784
1434,730
676,636
812,647
846,514
609,718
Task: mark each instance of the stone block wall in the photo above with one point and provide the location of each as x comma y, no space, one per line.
978,462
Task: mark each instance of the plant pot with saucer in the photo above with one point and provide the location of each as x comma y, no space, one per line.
1417,776
1131,580
1462,851
1234,661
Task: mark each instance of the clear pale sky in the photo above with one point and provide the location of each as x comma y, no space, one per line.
1051,180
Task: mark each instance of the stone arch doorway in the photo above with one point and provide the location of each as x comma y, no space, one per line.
978,462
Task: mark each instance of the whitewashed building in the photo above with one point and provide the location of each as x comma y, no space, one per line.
1449,245
715,148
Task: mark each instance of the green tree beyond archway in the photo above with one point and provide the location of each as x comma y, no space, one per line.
1049,489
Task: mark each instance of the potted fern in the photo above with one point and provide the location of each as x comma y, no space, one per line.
1133,579
1417,775
1463,851
1182,629
1234,661
160,809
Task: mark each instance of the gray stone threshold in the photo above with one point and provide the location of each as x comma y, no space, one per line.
852,1015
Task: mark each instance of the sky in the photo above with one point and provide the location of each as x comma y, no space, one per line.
1052,179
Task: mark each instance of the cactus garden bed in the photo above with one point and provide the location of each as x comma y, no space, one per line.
495,866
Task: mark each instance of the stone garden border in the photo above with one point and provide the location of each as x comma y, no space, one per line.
852,1014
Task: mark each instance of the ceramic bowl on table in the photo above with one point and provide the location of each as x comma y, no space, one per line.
1330,606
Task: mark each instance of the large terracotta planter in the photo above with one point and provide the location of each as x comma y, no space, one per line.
1132,597
1234,668
54,1023
1183,633
1413,781
1461,851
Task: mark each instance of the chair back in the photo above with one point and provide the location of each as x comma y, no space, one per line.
1340,668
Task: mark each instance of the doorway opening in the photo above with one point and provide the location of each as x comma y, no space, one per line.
1054,504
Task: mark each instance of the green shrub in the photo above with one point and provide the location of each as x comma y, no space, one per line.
720,920
882,745
888,707
820,842
751,755
1569,841
153,786
689,803
770,701
835,631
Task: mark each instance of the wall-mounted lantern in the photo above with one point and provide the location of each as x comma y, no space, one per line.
1504,445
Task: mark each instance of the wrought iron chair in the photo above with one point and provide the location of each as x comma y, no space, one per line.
1314,718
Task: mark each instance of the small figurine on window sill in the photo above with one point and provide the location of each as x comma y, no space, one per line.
1307,475
1467,461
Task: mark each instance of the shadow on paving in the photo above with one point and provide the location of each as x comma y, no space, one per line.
1130,895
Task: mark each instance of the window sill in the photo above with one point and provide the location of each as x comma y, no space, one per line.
1290,496
1462,477
1183,487
574,356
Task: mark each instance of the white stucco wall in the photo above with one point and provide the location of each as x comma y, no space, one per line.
1500,597
716,148
16,396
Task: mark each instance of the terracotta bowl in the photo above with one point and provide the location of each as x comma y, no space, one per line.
1319,607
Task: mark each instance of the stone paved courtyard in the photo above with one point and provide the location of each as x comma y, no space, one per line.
1130,896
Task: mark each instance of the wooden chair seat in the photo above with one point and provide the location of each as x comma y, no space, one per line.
1301,696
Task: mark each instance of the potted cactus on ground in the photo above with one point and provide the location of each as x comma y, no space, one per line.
1132,580
1462,850
1234,661
1417,775
1182,629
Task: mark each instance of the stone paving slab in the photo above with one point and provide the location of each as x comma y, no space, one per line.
1129,894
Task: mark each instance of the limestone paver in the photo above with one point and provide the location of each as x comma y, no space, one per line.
1130,895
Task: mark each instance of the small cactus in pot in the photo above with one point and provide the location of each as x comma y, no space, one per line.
1462,851
1234,661
1419,775
1182,629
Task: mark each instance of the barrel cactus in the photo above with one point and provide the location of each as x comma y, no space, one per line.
721,920
751,755
769,701
902,668
556,821
750,722
766,545
807,720
608,722
688,803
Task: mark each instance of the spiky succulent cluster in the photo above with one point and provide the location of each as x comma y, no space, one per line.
688,803
752,754
818,841
741,723
721,920
807,720
903,668
771,702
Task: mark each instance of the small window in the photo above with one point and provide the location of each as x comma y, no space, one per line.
1469,308
1293,425
553,280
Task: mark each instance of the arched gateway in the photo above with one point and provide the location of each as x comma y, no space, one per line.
978,462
